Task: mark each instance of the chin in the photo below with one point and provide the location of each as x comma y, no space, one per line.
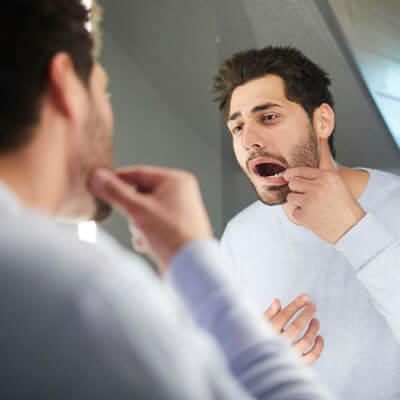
273,196
102,211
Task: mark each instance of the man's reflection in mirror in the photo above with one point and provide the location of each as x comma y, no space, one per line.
315,253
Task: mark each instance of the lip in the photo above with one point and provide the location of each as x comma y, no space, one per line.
272,181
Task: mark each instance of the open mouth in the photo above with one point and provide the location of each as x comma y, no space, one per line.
267,168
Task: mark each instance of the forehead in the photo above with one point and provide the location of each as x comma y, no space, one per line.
269,88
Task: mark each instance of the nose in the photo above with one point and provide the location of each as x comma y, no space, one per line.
252,138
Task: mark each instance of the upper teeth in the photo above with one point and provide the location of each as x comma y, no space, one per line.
276,175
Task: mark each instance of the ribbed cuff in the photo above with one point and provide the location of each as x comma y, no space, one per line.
364,241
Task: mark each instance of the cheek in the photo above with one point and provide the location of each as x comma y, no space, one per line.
108,115
289,140
240,154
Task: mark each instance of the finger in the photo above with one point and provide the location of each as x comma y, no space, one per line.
287,313
144,177
299,214
303,172
295,199
303,344
139,241
106,185
140,246
299,324
313,355
273,309
300,185
325,156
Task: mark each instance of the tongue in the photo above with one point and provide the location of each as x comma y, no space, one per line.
267,169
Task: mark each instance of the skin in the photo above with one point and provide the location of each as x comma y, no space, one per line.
76,180
263,122
76,123
159,207
309,346
313,191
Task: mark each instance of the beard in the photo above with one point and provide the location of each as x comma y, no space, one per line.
305,154
102,211
94,151
98,154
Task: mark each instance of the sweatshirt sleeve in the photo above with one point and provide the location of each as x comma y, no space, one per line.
375,255
258,358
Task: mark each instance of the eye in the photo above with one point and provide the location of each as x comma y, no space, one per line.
236,129
269,117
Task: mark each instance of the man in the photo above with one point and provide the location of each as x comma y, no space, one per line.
319,232
95,323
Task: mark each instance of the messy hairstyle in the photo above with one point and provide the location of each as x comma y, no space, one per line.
33,31
305,82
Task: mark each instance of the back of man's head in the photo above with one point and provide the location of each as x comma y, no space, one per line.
33,31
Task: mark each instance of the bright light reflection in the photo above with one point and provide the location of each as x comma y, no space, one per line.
87,231
88,5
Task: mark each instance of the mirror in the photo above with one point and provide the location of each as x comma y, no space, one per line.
161,57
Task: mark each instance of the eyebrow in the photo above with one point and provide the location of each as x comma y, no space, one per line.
261,107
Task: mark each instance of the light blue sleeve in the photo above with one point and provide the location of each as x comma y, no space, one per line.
259,359
375,254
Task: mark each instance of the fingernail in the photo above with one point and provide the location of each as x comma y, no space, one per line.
305,297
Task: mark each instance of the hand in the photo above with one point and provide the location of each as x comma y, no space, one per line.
310,341
320,201
165,205
139,242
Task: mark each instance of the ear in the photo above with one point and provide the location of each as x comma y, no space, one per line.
66,91
324,121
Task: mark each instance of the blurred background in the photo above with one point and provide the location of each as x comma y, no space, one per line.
161,55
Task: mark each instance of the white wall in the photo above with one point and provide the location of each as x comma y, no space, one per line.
372,28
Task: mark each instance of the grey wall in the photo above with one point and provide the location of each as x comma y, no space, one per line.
362,137
159,56
372,29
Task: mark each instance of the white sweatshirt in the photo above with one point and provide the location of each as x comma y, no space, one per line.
355,285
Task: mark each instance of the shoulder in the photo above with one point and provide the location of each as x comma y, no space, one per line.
382,199
383,187
45,260
82,304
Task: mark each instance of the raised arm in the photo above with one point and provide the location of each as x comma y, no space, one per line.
167,208
376,259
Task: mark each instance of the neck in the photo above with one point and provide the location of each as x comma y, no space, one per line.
34,174
355,180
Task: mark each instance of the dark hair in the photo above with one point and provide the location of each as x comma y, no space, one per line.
32,32
305,82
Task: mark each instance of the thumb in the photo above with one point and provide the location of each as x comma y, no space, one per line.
114,191
326,161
